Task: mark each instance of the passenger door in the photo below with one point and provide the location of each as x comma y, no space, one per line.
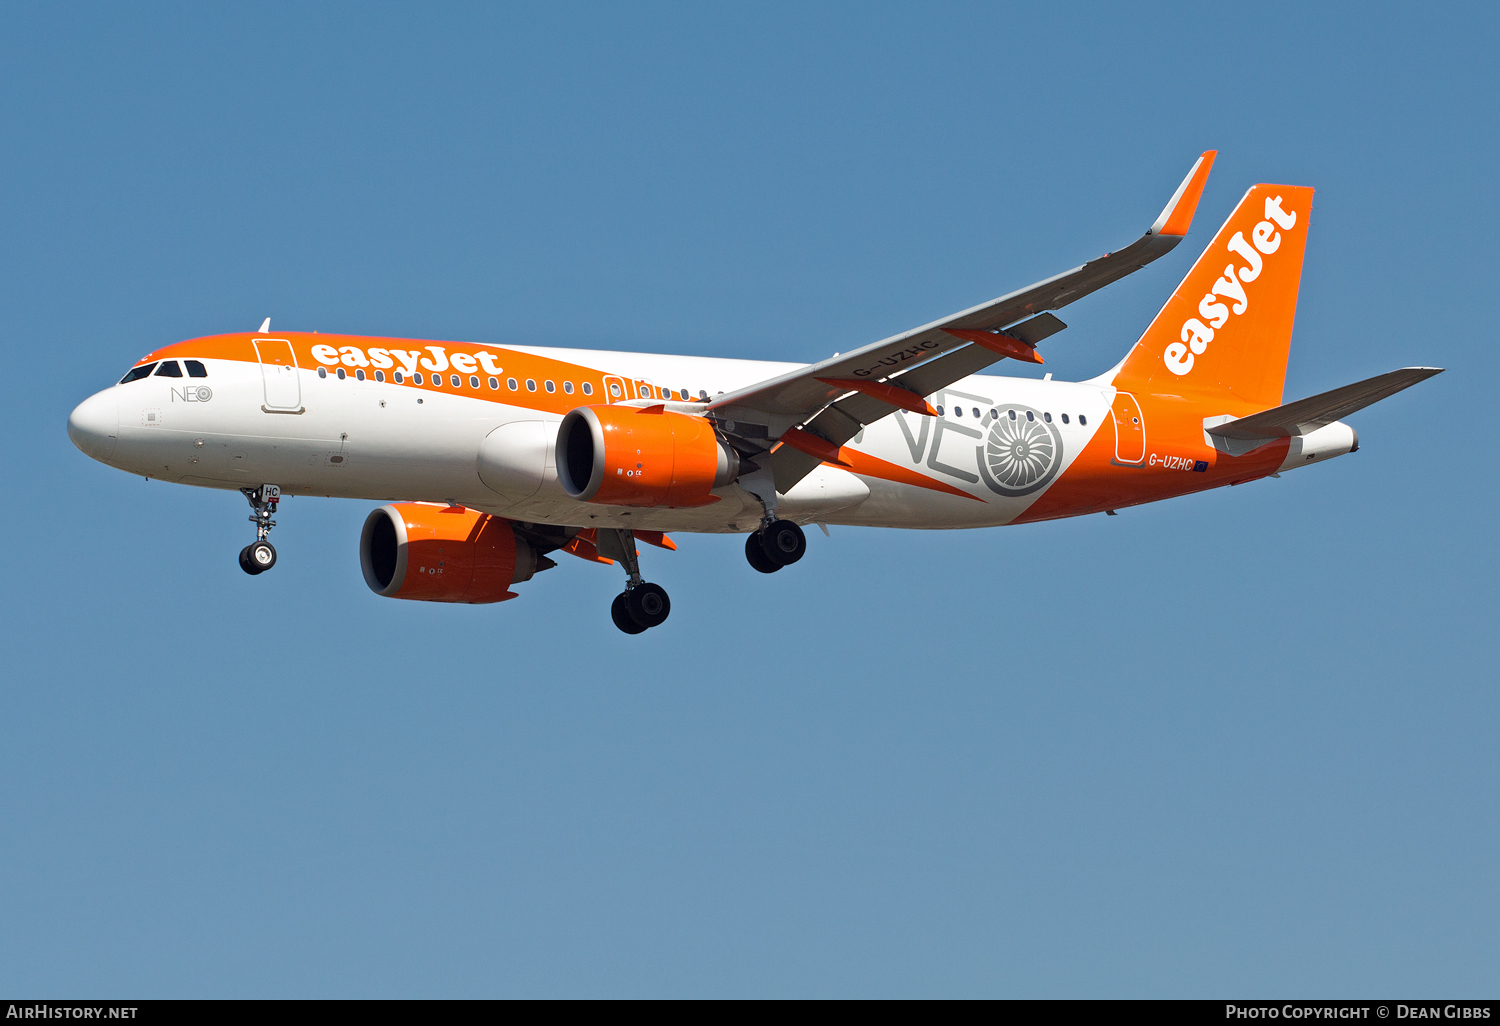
278,368
1130,429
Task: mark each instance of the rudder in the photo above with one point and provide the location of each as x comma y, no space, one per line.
1228,326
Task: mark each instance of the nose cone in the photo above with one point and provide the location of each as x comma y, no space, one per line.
95,424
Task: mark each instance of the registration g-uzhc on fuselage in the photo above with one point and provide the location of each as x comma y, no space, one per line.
490,460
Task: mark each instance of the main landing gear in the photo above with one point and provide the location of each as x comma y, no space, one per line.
260,556
640,606
777,544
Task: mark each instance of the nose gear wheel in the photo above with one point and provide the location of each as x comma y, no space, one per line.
257,558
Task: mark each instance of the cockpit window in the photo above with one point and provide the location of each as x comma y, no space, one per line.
137,373
169,369
195,369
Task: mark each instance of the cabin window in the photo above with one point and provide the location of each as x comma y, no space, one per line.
940,411
195,369
1012,414
1082,420
958,411
1065,418
494,383
417,377
976,412
568,387
1047,417
380,376
1029,415
137,373
531,384
456,381
359,374
169,369
341,374
588,389
551,387
473,380
322,372
397,377
511,382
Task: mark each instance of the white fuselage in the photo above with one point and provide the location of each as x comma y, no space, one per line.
384,441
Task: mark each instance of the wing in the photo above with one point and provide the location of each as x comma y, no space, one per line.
833,399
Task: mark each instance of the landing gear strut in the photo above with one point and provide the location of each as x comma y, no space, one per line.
260,556
777,544
640,606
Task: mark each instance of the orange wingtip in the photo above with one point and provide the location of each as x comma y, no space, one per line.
1002,344
1178,215
896,396
818,448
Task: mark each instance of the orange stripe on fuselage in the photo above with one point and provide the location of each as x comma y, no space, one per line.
522,367
1097,481
872,466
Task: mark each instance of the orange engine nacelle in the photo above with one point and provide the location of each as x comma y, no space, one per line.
412,550
628,456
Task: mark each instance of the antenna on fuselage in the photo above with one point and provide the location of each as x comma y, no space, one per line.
265,325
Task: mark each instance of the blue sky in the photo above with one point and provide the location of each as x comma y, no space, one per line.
1236,744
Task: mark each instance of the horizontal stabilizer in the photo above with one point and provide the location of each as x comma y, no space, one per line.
1307,415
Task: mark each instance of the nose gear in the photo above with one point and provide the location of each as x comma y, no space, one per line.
260,556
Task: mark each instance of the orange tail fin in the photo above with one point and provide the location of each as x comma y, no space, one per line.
1228,326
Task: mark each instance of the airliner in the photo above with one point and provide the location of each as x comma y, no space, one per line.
489,460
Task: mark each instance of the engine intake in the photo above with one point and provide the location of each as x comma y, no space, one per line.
628,456
413,550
